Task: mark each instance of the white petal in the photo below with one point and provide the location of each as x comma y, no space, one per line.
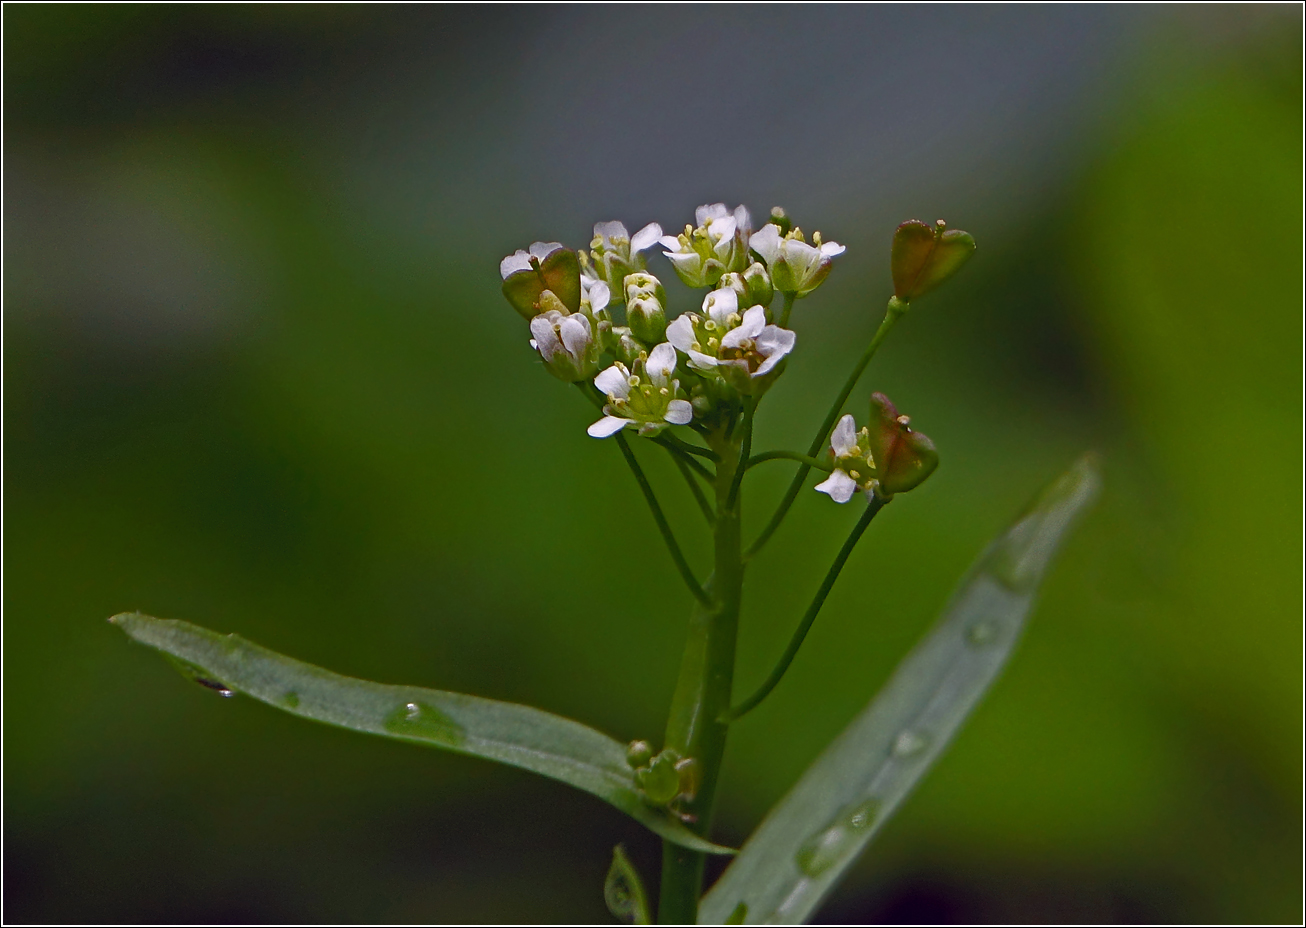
839,485
766,242
832,249
615,381
722,229
703,362
542,250
609,231
754,322
575,332
711,211
517,261
773,344
646,237
844,438
742,219
681,333
661,362
670,241
802,257
773,341
719,304
545,338
687,261
734,338
599,295
679,412
608,425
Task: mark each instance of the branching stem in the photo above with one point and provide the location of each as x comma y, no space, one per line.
676,554
895,310
796,642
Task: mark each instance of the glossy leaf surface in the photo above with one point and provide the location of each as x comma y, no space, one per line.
812,835
506,732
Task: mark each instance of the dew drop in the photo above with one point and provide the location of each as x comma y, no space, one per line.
418,720
910,743
832,844
981,633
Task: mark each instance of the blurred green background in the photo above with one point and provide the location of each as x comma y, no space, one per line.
258,375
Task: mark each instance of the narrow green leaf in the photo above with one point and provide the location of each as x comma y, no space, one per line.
807,841
511,734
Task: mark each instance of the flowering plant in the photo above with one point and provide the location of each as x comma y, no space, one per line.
692,384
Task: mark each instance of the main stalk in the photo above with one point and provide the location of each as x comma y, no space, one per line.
703,690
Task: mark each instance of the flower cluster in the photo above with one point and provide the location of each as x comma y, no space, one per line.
686,371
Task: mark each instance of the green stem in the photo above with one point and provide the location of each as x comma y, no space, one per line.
745,449
788,308
896,309
815,463
694,486
703,690
689,461
874,506
673,439
676,554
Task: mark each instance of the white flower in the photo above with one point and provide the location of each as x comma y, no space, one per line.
566,343
743,350
795,266
649,396
615,253
717,245
854,466
520,260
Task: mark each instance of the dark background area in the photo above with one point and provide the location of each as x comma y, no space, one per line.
259,375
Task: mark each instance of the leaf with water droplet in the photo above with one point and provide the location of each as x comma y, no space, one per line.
623,890
505,732
812,835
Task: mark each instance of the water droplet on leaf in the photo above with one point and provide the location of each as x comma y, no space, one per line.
910,742
981,633
829,846
418,720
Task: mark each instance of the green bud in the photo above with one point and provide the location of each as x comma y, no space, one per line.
648,322
622,345
780,218
644,284
659,780
758,282
903,457
924,256
638,754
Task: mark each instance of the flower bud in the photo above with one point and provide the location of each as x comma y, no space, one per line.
760,290
622,345
567,343
924,256
660,780
546,266
645,299
638,754
780,219
903,457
